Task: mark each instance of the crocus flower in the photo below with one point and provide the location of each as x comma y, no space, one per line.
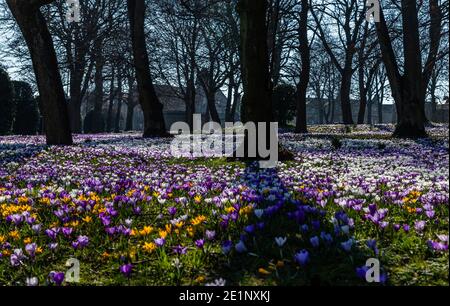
179,249
372,244
240,247
126,270
362,271
280,241
217,283
32,281
81,242
56,277
226,247
259,213
52,246
347,245
67,231
199,243
250,229
51,233
419,226
210,234
31,249
36,228
160,241
172,210
302,257
326,237
17,258
314,241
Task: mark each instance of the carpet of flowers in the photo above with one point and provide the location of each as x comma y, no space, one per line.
132,214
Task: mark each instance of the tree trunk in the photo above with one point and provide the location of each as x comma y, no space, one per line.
190,103
255,62
256,103
228,117
344,95
112,95
119,105
154,124
75,101
130,105
236,101
45,65
406,89
302,87
211,99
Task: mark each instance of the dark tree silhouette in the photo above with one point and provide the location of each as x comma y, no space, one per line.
45,64
154,124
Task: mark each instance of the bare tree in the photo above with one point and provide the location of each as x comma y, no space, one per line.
409,89
45,64
154,124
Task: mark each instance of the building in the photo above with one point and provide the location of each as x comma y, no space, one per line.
174,107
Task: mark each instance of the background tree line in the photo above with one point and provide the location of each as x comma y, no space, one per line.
271,53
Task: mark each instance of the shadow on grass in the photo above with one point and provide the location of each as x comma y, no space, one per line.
256,258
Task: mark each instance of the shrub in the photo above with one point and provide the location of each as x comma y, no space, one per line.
7,106
27,114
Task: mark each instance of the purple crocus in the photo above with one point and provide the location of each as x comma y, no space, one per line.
314,241
160,242
240,247
126,270
172,210
372,244
36,228
51,233
56,277
17,258
31,249
179,249
226,247
362,271
200,243
210,234
81,242
67,231
419,226
347,245
302,257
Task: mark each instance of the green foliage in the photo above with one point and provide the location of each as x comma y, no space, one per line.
7,107
27,115
283,103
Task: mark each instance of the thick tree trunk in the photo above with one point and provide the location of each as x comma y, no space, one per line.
407,90
256,103
302,87
154,124
45,64
255,62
